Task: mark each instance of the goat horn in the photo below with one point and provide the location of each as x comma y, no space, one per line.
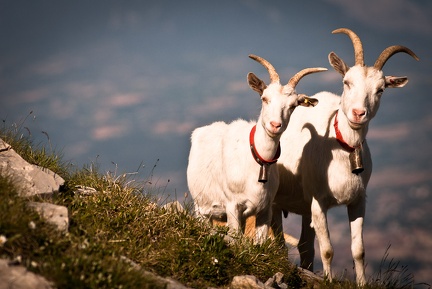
274,77
358,48
299,75
389,51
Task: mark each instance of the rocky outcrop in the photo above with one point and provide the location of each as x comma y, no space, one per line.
31,179
247,282
34,180
54,214
13,276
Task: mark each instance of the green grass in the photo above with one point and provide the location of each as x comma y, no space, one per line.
121,220
121,223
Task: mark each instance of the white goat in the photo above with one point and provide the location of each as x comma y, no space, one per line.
321,165
224,178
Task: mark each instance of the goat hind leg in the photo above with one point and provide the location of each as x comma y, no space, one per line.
276,226
306,246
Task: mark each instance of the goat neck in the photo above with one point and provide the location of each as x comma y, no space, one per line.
352,137
265,144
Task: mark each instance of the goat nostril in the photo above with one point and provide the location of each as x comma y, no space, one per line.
275,124
359,112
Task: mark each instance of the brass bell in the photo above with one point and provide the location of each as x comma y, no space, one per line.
356,161
263,174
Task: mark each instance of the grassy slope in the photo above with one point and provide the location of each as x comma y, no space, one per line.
119,219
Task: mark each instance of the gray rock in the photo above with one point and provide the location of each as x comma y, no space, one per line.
31,179
17,277
313,280
246,282
54,214
276,281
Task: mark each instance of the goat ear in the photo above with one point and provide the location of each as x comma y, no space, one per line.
337,63
255,83
396,81
306,101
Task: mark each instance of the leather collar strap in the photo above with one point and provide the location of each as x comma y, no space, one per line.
255,153
339,137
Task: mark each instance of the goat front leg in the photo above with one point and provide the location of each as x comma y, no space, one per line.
306,244
319,223
356,213
262,225
234,213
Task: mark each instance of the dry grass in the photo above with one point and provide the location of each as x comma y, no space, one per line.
122,221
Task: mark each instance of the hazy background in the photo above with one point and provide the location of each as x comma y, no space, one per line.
123,83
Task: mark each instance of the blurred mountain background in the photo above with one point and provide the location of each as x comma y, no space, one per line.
123,84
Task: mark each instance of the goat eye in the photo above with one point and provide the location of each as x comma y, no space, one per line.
380,91
265,100
347,84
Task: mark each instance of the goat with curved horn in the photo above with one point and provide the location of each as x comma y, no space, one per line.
358,47
302,73
329,163
232,171
274,76
389,52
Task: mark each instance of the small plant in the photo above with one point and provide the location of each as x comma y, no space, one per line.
392,274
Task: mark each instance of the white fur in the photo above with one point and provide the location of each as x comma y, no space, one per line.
315,172
222,174
222,179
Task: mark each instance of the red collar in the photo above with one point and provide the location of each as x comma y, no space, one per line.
339,137
255,153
